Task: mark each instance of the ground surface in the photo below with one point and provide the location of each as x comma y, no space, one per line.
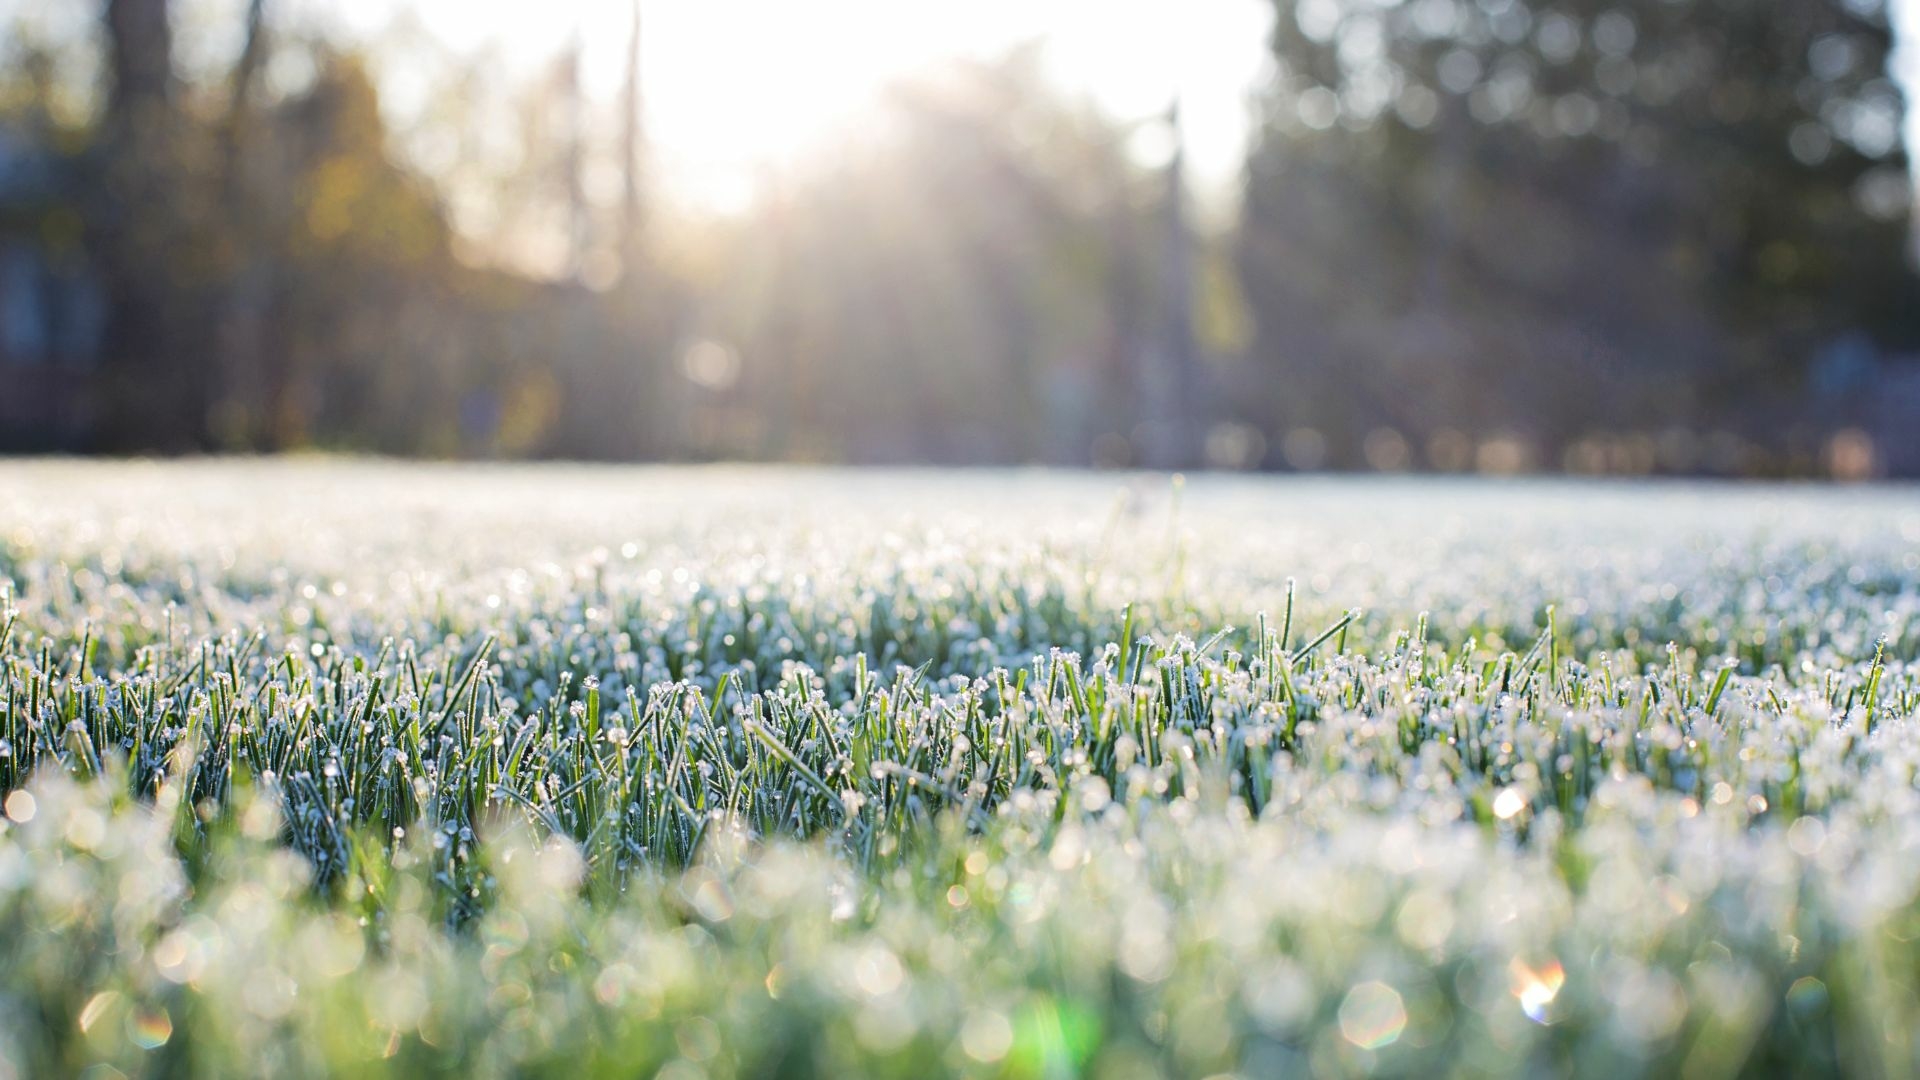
319,768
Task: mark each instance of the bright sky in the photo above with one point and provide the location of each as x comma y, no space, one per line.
734,85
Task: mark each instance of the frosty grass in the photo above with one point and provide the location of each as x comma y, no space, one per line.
349,768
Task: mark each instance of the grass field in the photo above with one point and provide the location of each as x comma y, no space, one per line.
333,768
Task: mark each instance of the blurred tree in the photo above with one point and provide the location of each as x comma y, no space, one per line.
968,279
363,255
632,134
1172,370
147,237
274,276
1551,217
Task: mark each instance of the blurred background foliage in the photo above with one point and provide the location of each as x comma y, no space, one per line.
1624,236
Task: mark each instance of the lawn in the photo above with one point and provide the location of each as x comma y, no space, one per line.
320,768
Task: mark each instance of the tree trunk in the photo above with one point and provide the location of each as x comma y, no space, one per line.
154,393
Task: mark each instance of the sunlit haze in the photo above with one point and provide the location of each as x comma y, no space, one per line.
1491,235
734,87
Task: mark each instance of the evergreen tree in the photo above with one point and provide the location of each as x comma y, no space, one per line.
1554,218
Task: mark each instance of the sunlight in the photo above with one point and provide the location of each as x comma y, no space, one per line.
732,88
741,86
735,89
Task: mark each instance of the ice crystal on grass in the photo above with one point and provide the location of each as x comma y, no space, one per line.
320,768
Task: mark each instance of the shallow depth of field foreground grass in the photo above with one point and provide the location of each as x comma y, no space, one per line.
347,768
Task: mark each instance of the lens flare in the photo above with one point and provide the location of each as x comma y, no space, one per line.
1509,803
151,1030
1372,1016
1535,989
